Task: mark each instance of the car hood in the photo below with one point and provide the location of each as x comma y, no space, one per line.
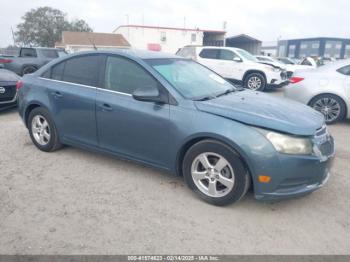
263,110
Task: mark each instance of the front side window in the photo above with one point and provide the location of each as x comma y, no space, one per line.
83,70
125,76
227,55
189,78
306,62
210,53
246,55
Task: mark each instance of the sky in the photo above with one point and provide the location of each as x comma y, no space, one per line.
267,20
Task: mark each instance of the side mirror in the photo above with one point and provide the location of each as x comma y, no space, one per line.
149,94
237,59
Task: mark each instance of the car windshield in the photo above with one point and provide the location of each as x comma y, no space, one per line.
246,55
286,61
191,79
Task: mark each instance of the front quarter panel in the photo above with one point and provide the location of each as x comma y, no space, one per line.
257,153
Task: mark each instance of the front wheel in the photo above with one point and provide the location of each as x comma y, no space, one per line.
255,82
332,107
215,172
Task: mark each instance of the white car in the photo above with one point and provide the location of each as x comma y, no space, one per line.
237,65
289,67
326,89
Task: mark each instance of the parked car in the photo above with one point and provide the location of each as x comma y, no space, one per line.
30,59
8,90
177,115
326,89
290,68
267,60
237,65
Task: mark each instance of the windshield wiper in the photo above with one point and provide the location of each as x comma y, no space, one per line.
205,98
230,90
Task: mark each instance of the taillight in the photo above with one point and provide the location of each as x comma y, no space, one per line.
295,79
19,84
5,61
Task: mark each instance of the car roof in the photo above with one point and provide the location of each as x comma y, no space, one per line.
213,47
133,53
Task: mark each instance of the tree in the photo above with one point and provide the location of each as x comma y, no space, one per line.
43,27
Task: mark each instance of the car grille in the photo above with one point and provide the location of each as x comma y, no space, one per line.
284,75
327,148
7,93
324,142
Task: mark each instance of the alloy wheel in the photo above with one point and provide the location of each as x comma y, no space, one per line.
41,130
254,83
212,174
329,107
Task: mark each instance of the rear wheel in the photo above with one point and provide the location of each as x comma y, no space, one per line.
28,70
42,130
332,107
255,82
215,172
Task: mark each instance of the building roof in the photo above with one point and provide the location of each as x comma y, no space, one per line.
242,38
173,28
90,39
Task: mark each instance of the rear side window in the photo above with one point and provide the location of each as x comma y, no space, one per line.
125,76
210,53
57,71
28,52
49,53
345,70
82,70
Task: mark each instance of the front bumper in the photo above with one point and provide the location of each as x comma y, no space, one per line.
298,175
277,80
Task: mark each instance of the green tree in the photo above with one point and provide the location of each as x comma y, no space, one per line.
43,27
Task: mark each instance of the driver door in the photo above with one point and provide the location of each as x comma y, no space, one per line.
136,129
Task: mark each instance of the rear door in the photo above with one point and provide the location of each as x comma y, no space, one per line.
209,57
137,129
72,93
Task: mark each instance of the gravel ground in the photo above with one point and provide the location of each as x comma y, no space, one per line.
78,202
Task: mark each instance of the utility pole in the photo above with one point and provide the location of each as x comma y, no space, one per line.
13,36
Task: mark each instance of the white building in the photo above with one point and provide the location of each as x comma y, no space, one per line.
168,39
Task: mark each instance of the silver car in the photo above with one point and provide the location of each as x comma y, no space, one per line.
326,89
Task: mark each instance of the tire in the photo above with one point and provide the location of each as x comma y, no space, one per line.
206,182
255,82
331,106
28,70
44,136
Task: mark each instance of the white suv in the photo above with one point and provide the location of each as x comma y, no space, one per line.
237,65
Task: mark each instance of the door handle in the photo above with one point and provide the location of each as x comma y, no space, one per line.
57,94
105,107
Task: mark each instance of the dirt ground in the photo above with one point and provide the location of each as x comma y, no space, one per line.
77,202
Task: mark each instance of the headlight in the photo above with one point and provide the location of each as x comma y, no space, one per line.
273,69
288,144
